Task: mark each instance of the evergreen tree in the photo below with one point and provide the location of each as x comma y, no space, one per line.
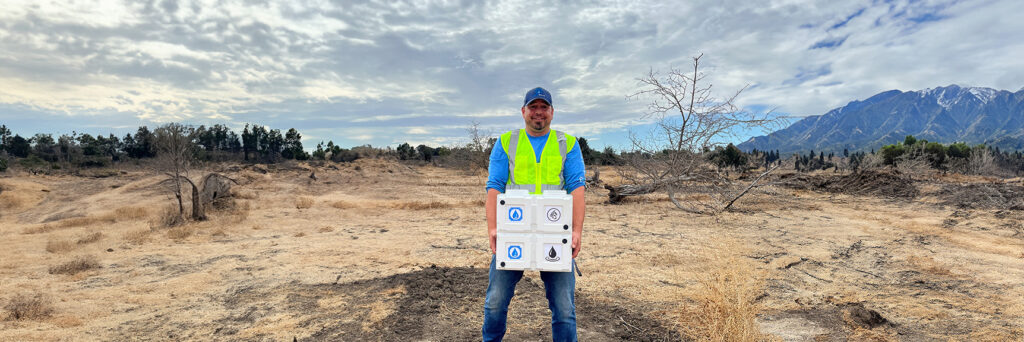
293,146
18,146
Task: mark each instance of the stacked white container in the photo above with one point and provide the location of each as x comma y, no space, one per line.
534,231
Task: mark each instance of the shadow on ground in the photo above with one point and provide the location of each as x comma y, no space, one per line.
437,303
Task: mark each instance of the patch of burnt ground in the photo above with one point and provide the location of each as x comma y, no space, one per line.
866,183
431,304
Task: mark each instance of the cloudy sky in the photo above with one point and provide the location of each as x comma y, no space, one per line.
382,73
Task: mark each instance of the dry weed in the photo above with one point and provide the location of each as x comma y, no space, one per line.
90,238
725,299
244,194
344,204
928,264
59,246
79,264
137,237
180,233
873,335
131,213
299,234
170,216
383,308
239,212
66,321
86,221
219,232
326,229
12,200
43,228
303,202
29,306
418,205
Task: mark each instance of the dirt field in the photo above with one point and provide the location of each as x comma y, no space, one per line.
380,251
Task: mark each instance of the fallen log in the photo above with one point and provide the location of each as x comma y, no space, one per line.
617,193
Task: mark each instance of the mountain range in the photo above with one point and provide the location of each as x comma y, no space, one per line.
948,114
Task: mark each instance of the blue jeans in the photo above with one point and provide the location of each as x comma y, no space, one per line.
560,288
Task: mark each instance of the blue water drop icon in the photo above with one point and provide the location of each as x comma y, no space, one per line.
515,214
515,252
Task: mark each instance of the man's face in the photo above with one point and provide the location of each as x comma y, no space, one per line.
537,115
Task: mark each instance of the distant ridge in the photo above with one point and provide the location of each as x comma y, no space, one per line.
944,114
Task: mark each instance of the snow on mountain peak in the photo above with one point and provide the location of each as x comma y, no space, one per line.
953,94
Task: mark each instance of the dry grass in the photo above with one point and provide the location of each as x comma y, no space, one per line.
304,202
344,204
244,194
299,234
382,308
137,237
219,232
239,212
90,238
59,246
180,232
43,228
29,306
327,229
928,264
86,221
725,300
169,217
419,205
121,214
79,264
131,213
12,200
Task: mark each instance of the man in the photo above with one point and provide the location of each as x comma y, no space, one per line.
537,162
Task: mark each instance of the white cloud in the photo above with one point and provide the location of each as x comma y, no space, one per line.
380,70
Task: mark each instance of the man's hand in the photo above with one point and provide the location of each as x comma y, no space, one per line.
494,241
577,244
492,221
578,208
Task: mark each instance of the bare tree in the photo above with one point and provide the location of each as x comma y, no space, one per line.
479,145
913,162
473,155
981,162
175,157
690,122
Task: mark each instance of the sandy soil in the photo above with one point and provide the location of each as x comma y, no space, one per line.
376,250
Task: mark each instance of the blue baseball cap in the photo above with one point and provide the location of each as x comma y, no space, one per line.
538,93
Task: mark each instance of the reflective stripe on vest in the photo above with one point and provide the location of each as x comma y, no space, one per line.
524,170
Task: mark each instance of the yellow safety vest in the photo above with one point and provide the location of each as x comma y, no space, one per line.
524,172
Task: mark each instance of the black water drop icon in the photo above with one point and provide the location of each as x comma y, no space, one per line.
551,253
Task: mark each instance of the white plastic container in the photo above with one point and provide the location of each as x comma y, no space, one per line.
554,212
515,211
534,231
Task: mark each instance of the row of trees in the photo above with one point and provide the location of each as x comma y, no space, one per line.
256,143
916,156
212,143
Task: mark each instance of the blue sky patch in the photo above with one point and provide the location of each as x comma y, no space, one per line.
829,43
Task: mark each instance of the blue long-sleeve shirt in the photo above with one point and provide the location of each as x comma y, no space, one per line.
573,171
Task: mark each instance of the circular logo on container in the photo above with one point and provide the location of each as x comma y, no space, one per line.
554,214
515,252
515,214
